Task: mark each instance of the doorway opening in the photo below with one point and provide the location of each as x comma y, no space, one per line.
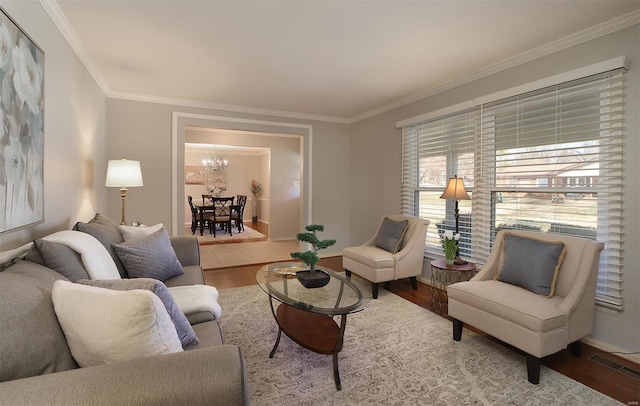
289,165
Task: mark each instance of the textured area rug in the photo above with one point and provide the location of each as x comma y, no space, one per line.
224,237
260,252
395,353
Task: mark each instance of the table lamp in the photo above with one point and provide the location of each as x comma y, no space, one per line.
455,191
123,173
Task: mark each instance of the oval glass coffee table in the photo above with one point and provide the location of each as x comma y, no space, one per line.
306,315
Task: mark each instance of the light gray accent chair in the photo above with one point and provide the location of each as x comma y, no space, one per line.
378,265
533,323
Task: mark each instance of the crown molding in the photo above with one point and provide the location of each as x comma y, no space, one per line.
59,19
580,37
223,107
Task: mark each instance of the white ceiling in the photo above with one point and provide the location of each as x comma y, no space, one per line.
334,60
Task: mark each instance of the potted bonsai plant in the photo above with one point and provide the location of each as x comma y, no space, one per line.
312,278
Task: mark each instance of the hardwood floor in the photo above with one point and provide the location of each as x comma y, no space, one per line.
605,379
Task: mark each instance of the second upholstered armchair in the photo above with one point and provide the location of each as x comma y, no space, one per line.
536,292
396,251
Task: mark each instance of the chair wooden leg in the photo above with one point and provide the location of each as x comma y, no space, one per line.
414,282
576,348
457,329
374,290
533,369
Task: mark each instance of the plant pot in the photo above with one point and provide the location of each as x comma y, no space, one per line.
316,279
449,262
254,210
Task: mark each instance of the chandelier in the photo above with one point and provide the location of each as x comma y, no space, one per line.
215,164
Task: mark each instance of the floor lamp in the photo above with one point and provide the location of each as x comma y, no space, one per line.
123,173
455,191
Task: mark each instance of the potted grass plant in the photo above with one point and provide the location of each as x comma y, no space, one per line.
312,278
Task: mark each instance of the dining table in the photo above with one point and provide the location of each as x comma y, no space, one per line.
209,207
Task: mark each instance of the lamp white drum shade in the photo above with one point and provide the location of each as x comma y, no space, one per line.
123,173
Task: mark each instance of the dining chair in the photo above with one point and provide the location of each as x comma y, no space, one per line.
195,217
207,200
222,213
238,212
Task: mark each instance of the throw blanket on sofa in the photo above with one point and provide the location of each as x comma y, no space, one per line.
94,255
196,298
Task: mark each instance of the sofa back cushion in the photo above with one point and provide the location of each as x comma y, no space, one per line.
108,233
31,340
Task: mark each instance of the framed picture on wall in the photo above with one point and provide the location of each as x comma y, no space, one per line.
216,180
194,175
22,116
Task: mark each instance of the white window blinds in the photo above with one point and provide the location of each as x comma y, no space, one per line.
548,160
435,151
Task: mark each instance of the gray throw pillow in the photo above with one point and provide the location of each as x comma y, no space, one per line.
108,233
530,263
60,258
150,257
390,235
185,331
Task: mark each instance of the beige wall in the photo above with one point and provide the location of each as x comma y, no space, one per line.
74,131
376,161
143,131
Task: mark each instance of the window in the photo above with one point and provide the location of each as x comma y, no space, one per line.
548,160
440,149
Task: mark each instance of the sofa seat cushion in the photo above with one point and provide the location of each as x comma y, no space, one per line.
373,257
31,340
510,302
192,276
210,334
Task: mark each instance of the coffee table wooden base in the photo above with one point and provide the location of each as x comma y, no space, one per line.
316,332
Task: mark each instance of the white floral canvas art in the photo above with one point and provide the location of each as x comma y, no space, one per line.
21,115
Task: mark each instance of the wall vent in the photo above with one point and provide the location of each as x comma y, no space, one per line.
614,365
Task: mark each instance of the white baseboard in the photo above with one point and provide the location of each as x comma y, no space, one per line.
609,348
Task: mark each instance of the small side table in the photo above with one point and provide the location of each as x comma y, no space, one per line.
443,275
